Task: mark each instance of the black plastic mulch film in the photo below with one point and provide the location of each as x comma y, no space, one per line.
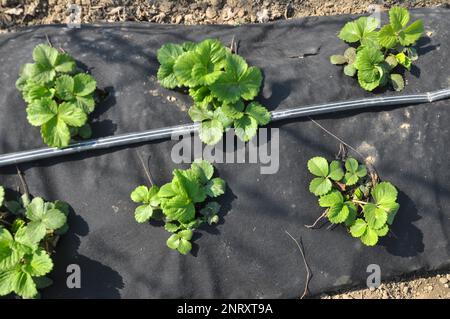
249,253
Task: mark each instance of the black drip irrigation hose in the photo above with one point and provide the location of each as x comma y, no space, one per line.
167,132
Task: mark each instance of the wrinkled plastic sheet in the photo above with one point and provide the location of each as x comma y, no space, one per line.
249,253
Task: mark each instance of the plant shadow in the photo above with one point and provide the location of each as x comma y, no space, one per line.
404,239
96,279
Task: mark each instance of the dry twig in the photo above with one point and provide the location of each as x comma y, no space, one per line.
313,225
308,270
23,182
147,172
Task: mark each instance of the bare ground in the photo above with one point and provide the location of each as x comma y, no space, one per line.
15,14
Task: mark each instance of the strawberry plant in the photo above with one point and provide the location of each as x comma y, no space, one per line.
378,56
29,231
221,84
60,97
350,198
182,204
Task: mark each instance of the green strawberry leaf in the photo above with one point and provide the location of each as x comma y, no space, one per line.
140,194
211,131
171,227
338,213
189,186
40,264
183,67
350,70
215,187
412,33
24,285
71,114
382,231
48,62
368,63
338,59
64,86
202,170
398,18
245,127
200,112
36,91
318,166
320,186
167,55
83,84
332,199
237,81
397,82
180,243
336,173
384,193
350,55
41,111
143,213
404,60
359,228
234,111
354,171
375,217
397,32
210,57
258,112
370,237
7,280
55,133
362,30
41,214
184,246
178,208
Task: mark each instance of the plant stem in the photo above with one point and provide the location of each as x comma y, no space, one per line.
317,220
23,182
359,202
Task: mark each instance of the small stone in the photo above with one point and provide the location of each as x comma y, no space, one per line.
430,288
405,290
171,98
448,277
211,13
385,295
178,19
263,16
446,286
443,280
241,13
371,288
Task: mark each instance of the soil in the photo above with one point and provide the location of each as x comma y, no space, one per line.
15,14
418,286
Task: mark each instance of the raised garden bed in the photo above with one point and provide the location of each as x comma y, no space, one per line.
248,254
